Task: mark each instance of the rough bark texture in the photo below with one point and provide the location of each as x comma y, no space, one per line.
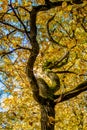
47,116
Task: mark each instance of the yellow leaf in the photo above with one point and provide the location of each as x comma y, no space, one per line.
51,120
64,4
69,7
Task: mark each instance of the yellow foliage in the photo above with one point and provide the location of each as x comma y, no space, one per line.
69,7
70,33
51,120
64,4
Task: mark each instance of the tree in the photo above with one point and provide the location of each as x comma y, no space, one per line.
21,30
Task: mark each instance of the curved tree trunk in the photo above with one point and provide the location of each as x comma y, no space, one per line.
47,104
47,107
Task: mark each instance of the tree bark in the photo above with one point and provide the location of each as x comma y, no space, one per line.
48,116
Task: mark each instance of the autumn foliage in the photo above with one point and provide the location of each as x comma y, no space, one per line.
36,38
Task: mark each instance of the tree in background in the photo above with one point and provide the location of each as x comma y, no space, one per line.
48,39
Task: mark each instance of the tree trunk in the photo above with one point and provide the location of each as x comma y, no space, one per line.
48,116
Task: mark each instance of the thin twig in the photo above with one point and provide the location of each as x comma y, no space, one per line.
19,19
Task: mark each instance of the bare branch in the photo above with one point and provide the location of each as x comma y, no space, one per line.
50,4
66,71
10,25
6,53
77,1
11,33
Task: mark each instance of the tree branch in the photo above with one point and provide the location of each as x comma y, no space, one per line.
65,30
51,38
59,3
84,27
6,53
35,47
19,19
75,92
77,1
11,32
23,8
8,24
55,64
65,72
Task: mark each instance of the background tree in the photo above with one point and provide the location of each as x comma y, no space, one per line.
48,39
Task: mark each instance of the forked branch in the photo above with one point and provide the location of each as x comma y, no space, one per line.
75,92
49,33
19,19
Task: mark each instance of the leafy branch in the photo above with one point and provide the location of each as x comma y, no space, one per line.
19,19
51,65
35,47
51,38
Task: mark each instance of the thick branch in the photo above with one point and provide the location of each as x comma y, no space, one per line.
32,57
59,3
77,1
55,64
75,92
